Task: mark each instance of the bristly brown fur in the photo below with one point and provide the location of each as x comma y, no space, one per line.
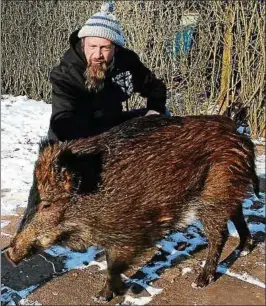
130,186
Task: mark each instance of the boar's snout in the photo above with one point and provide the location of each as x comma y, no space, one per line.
21,246
13,256
16,252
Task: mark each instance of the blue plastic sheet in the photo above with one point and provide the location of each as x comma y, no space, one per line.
183,40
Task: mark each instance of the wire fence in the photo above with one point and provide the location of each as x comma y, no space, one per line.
209,53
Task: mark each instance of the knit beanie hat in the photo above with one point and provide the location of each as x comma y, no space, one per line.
103,24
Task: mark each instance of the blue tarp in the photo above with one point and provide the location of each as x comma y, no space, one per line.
183,40
182,43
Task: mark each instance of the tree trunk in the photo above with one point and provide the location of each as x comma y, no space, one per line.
223,98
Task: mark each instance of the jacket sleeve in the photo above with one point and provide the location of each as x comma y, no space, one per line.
150,87
66,121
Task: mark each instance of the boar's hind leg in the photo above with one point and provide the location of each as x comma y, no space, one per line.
117,262
246,242
217,233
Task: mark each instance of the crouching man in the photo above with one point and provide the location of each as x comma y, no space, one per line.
96,74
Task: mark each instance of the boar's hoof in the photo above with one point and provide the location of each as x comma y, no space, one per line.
244,252
248,248
104,296
203,280
100,300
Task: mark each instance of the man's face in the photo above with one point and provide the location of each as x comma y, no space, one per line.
98,50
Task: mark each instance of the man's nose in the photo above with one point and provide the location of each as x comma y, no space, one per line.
98,53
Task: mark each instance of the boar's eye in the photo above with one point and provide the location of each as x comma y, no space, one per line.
44,205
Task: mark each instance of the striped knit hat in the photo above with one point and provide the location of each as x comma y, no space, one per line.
105,25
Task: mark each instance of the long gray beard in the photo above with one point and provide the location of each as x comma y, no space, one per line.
95,77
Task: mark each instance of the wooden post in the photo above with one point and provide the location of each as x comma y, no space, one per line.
223,97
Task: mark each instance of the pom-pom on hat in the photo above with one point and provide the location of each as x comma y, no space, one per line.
103,24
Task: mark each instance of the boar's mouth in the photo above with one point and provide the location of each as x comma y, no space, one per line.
12,258
7,256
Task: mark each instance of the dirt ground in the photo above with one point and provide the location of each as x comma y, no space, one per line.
78,287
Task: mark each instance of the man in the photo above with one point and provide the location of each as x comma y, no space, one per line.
96,74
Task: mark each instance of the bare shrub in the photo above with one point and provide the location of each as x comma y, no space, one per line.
225,64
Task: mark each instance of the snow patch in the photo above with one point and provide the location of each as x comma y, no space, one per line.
129,300
232,230
12,297
260,165
76,260
244,277
259,141
186,270
28,302
4,223
23,123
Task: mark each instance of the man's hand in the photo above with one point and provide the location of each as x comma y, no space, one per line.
152,112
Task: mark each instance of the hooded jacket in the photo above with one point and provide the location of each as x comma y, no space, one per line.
78,112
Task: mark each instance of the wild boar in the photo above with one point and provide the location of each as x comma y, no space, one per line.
127,188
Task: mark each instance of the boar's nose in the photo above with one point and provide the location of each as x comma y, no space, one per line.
7,255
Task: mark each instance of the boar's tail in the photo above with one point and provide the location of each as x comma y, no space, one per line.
256,184
248,146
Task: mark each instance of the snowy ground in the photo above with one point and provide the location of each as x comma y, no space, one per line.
23,123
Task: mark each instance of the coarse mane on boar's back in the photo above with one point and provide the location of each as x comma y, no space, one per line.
130,186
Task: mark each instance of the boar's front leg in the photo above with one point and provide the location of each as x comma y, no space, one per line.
118,261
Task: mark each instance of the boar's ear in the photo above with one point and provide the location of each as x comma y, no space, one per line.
44,143
81,171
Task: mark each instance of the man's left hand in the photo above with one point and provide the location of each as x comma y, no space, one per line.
152,112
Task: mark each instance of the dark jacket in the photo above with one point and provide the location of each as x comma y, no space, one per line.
78,112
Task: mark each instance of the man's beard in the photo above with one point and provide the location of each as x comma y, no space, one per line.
95,76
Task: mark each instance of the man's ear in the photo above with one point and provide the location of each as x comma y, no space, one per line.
81,172
82,43
117,48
